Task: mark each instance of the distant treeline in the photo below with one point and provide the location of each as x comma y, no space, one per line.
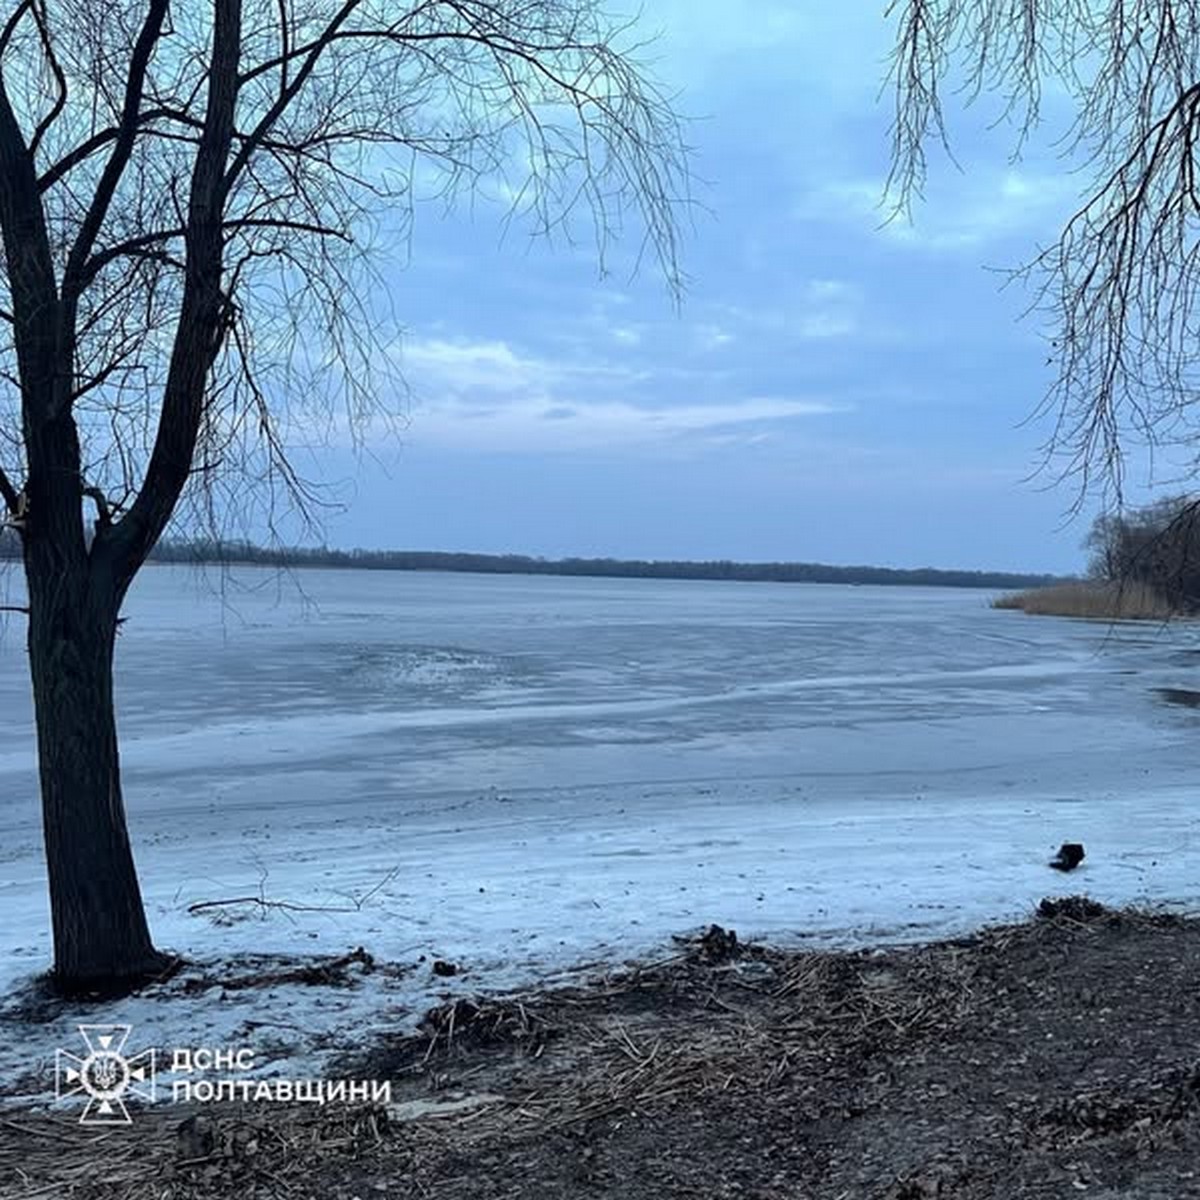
208,551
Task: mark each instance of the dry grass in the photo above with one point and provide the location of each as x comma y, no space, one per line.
1134,601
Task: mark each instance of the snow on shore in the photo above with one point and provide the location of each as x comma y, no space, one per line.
517,892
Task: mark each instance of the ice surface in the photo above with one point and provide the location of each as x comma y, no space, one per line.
551,772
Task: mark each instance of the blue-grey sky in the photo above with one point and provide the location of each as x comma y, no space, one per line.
828,390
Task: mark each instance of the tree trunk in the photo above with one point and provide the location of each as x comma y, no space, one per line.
101,940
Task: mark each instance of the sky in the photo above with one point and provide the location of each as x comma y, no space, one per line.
830,388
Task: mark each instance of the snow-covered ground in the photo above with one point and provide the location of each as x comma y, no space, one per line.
526,775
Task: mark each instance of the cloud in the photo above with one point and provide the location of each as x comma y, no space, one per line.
830,49
963,212
825,325
712,337
695,32
829,308
461,366
439,368
541,424
489,395
817,309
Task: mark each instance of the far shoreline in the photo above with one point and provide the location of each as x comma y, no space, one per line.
245,554
217,552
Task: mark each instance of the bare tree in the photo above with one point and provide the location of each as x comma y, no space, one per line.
1157,545
189,198
1120,285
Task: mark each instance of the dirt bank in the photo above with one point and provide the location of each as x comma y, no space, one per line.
1056,1058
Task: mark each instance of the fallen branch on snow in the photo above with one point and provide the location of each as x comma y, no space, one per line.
356,903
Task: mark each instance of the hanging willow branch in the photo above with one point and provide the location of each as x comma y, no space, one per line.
1120,285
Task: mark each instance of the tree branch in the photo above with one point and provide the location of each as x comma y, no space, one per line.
287,93
60,80
115,167
8,493
202,317
132,245
98,141
103,511
30,264
10,26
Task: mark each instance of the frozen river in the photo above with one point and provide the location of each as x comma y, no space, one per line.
326,690
523,772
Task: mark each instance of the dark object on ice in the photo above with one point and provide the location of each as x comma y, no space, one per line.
1073,908
364,958
719,945
444,968
714,945
1070,855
